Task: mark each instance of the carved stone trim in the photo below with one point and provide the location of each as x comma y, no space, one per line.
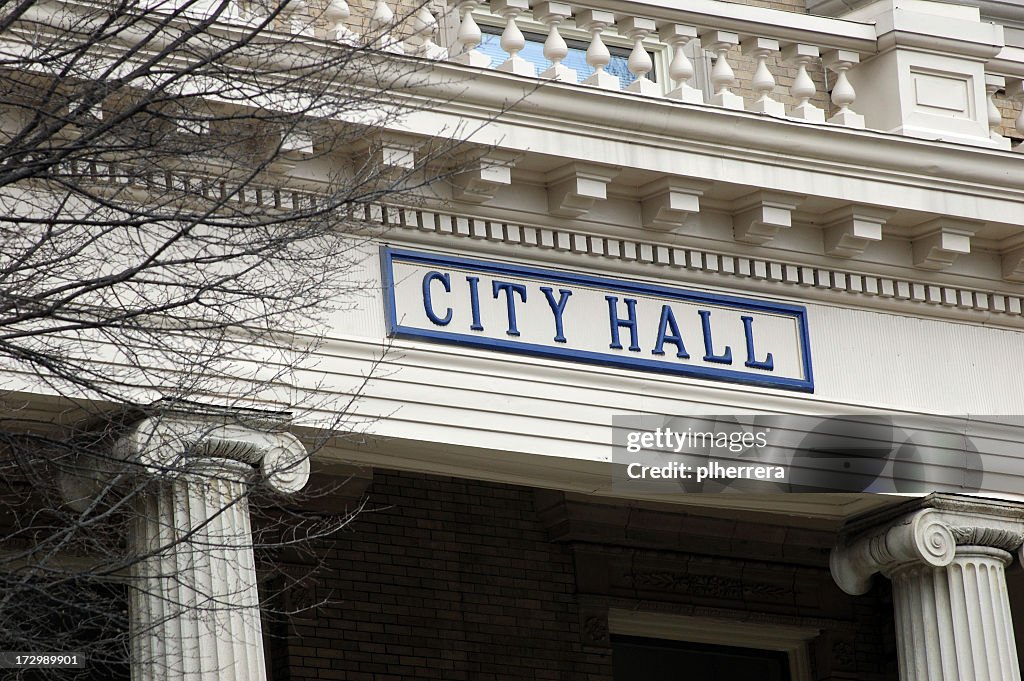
714,586
173,445
996,537
929,536
985,303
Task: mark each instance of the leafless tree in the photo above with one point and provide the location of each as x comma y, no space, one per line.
186,187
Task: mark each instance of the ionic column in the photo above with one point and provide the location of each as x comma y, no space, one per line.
194,602
946,557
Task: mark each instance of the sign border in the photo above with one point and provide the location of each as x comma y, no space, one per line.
389,254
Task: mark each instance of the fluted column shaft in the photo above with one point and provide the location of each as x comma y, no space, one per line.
195,606
194,603
946,558
953,623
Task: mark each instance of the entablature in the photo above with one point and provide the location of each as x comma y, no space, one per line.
935,188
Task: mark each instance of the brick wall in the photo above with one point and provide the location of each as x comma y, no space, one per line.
456,579
448,579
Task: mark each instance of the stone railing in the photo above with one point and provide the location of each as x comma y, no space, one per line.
724,30
918,68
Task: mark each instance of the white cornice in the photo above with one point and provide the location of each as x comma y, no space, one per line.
1006,12
572,122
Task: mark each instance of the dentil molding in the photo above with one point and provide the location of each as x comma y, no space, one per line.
732,267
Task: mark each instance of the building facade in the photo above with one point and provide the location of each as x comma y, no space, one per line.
794,231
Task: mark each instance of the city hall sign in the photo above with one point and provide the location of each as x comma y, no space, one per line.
609,322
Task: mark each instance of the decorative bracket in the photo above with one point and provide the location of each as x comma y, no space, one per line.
1013,265
666,203
480,177
573,188
393,151
850,229
295,146
941,241
759,216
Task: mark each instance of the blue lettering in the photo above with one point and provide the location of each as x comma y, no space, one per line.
668,321
768,363
428,305
709,351
499,286
557,309
474,303
616,322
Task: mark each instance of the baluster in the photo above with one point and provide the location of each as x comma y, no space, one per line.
233,13
512,40
299,22
763,81
678,36
205,10
598,56
1015,91
469,37
639,63
994,84
337,13
803,87
722,76
252,13
843,94
555,50
382,22
421,42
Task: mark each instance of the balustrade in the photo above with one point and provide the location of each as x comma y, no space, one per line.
647,34
903,94
758,42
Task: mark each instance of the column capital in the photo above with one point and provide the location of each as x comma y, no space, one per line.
930,531
172,445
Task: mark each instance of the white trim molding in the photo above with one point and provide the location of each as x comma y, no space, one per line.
859,288
719,631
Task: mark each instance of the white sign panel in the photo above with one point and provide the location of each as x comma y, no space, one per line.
580,318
